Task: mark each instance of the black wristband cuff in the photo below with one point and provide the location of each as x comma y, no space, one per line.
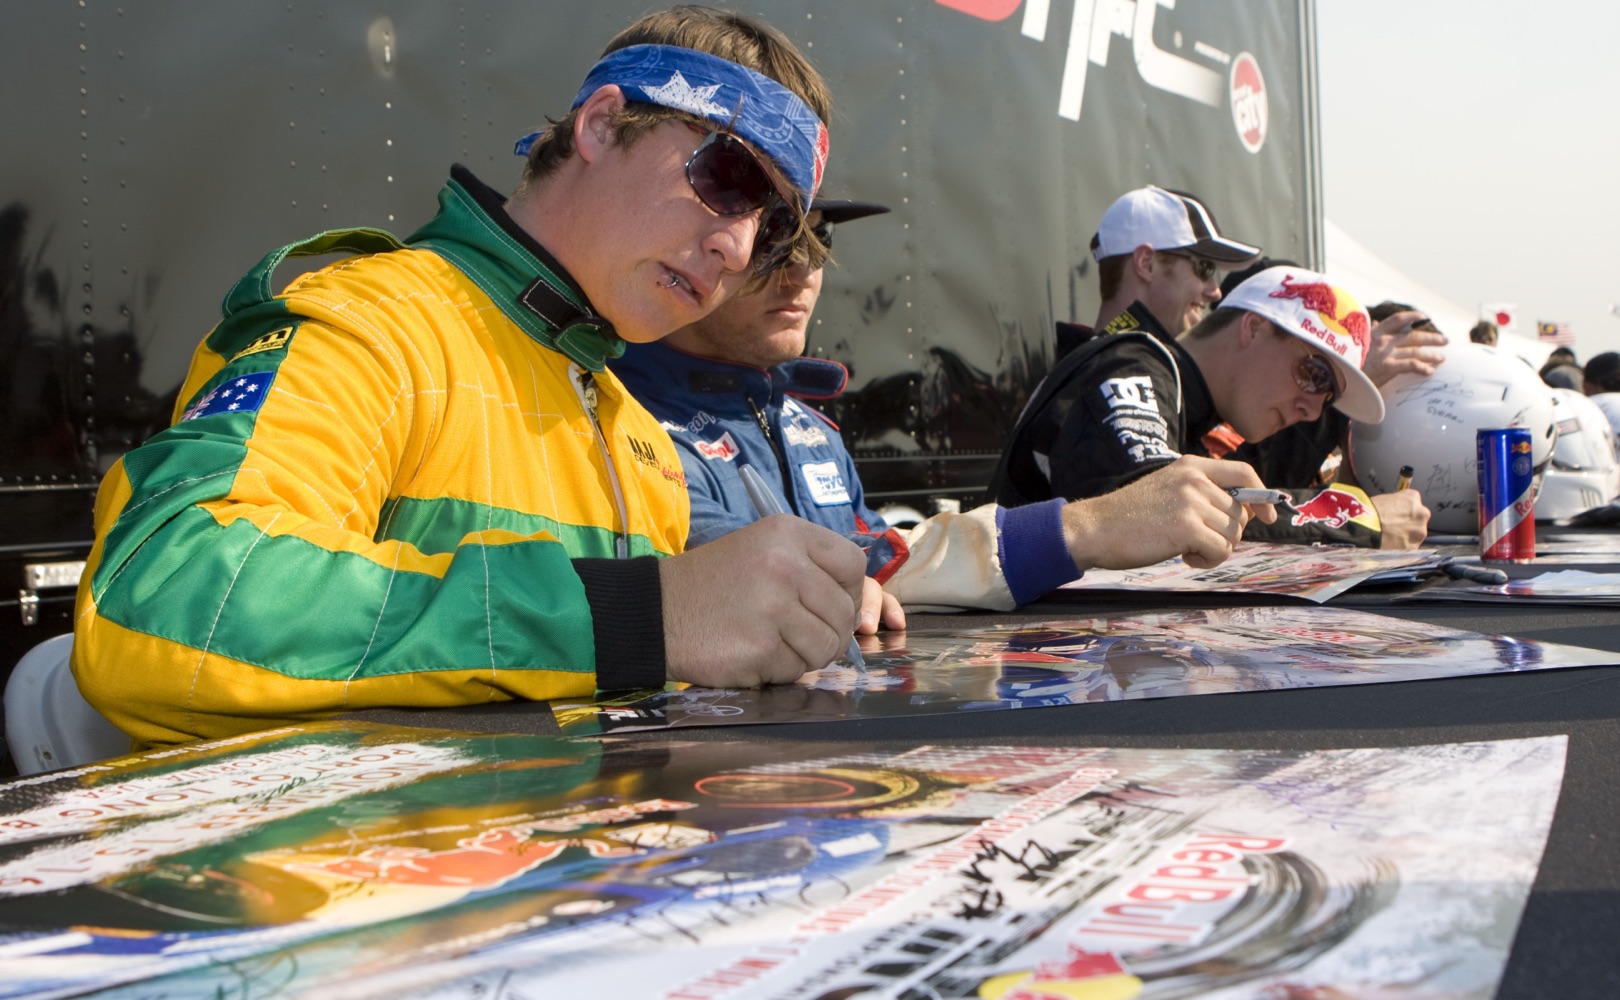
627,621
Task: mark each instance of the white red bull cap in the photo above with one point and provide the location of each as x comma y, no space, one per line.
1312,308
1165,220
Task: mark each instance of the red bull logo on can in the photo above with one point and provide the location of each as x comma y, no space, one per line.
1324,300
1332,507
1507,520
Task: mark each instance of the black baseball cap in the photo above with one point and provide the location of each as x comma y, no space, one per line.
836,210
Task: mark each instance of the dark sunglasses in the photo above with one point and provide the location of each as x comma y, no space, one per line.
728,178
778,236
1203,267
1314,374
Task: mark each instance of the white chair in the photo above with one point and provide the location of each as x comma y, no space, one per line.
49,725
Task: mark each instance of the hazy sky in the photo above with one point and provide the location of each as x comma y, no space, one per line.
1475,144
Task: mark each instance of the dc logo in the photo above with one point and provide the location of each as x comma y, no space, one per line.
1134,393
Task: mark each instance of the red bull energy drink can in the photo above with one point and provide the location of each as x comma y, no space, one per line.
1507,516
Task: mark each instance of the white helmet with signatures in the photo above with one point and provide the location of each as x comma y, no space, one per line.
1430,424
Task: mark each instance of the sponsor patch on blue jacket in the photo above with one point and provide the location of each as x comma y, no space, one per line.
242,394
825,483
725,449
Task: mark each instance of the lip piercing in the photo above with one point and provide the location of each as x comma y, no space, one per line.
673,281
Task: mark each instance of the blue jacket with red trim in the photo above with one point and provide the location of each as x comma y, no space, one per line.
721,414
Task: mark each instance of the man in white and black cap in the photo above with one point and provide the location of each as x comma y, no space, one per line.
1283,345
728,388
1159,263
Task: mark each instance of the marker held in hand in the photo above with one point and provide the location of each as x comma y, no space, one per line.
765,503
1243,495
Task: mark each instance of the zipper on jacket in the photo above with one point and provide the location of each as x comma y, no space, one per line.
776,449
585,387
760,419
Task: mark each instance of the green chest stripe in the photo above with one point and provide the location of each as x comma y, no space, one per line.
438,525
288,605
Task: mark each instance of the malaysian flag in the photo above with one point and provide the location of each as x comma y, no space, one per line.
1555,333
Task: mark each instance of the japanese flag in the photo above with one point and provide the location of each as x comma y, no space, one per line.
1504,314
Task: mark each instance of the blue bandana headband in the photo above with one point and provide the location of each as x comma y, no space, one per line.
751,104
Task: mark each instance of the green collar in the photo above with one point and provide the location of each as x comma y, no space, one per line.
473,232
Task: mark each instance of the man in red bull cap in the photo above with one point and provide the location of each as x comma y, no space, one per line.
1403,340
1159,265
1282,346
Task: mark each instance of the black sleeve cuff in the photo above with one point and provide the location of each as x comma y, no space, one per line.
627,621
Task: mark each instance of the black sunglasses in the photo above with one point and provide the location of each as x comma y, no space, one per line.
823,231
728,178
1314,374
1203,267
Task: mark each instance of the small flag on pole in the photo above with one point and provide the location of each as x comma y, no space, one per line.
1555,333
1504,314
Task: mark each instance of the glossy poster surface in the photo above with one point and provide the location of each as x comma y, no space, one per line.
1564,586
330,861
1113,657
1315,573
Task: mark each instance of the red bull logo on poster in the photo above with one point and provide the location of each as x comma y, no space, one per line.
1084,974
1325,300
1333,507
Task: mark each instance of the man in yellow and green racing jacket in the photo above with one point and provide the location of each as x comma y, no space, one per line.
408,480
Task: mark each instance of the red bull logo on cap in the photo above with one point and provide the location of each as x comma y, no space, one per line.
1332,507
1324,300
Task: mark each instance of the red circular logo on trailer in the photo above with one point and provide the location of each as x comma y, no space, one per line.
1250,112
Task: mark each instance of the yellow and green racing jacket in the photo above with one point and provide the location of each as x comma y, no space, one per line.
405,481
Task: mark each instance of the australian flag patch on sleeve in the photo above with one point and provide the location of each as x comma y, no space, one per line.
241,394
